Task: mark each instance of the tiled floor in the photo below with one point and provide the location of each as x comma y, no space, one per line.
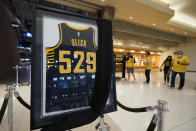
181,105
21,115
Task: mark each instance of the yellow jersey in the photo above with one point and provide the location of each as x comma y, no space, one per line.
177,67
148,60
130,62
167,63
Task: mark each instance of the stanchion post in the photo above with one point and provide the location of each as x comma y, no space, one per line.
162,108
17,67
101,125
17,75
30,75
10,107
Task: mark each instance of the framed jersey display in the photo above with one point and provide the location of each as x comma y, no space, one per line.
68,67
63,66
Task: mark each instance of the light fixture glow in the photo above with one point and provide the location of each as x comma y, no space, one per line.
27,34
142,52
130,17
185,33
102,0
159,53
15,25
154,24
151,52
132,51
121,50
118,43
115,49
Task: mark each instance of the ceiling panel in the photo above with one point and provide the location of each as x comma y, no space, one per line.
143,13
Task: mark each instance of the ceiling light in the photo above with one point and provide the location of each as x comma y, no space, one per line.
130,17
185,33
15,25
121,50
118,43
159,53
142,52
102,0
140,43
154,24
132,51
151,52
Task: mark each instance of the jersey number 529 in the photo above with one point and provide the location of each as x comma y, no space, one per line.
90,60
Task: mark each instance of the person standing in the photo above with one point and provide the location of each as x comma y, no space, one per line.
166,63
179,67
130,67
148,67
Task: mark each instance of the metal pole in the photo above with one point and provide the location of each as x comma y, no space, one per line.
162,108
17,67
10,107
30,75
101,125
101,120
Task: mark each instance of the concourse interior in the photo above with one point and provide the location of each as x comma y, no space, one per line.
181,105
49,48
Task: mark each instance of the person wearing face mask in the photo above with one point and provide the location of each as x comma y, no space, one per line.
179,67
148,67
166,63
130,67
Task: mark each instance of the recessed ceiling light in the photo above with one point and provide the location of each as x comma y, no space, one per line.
185,33
118,43
121,50
154,24
102,0
15,25
130,17
132,51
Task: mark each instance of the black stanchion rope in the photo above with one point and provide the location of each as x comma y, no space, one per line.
154,120
142,109
3,108
19,98
153,123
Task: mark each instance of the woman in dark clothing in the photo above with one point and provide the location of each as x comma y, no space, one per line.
166,63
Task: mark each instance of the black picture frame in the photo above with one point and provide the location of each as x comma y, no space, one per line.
112,106
37,120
